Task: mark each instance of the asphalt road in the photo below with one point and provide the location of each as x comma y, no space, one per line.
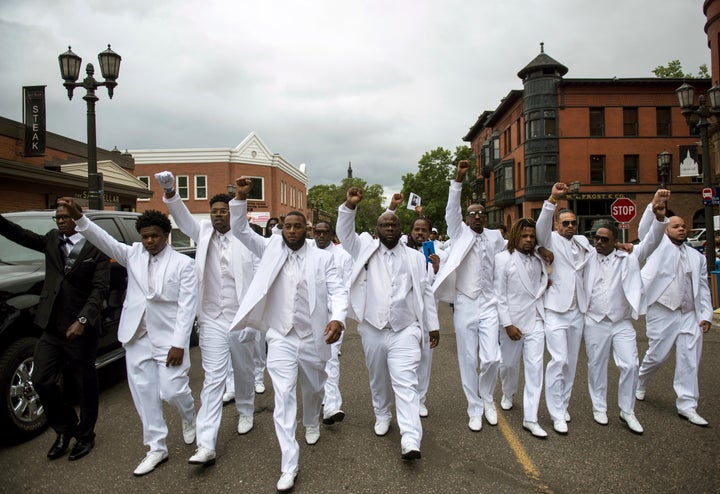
672,455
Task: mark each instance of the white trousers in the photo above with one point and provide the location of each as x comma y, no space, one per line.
424,369
563,335
531,347
599,336
392,359
333,398
476,335
289,358
218,348
259,357
151,382
667,328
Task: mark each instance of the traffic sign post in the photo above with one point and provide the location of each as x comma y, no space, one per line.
623,210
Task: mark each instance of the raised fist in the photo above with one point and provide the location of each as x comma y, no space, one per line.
166,180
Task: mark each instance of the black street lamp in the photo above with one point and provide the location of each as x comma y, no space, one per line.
70,71
700,117
574,189
664,159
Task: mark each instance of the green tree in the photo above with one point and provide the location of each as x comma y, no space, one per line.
674,70
327,198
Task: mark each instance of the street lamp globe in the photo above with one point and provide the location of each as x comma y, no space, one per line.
685,95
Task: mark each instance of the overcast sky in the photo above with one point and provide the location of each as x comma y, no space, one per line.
324,82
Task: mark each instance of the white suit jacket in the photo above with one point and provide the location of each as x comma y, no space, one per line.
244,261
326,292
170,312
566,275
361,248
518,302
462,238
343,262
633,288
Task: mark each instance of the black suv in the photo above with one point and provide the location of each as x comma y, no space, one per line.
22,273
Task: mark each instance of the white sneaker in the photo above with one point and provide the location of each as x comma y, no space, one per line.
286,482
312,434
506,403
423,411
151,460
632,422
245,424
475,423
535,429
694,418
228,398
189,431
560,426
567,416
202,456
382,426
490,412
640,393
259,388
600,417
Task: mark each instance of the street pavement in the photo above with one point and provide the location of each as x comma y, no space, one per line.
672,455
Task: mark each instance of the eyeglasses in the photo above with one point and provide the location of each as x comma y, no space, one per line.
388,225
63,217
220,211
473,214
567,223
601,238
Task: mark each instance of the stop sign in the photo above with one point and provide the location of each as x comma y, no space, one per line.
623,210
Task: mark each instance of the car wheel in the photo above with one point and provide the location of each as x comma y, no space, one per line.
22,414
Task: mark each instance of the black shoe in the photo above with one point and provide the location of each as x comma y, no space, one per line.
411,454
81,448
60,446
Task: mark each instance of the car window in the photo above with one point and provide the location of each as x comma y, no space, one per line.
12,253
130,228
109,225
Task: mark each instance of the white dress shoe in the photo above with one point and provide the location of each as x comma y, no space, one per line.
151,460
600,417
490,412
381,426
423,411
228,398
535,429
286,482
332,417
259,388
640,393
567,416
475,423
560,426
245,424
506,403
694,418
632,422
189,431
312,434
411,453
202,456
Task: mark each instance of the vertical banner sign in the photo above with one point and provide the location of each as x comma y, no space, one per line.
690,161
34,120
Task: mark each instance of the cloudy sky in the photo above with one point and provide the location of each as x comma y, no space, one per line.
325,82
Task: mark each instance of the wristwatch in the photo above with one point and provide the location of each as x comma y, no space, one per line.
82,320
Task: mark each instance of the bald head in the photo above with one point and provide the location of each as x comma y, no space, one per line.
675,230
388,229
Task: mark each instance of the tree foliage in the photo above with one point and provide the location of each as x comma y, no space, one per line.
327,198
674,70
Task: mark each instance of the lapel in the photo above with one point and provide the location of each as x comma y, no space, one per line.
517,259
310,261
144,269
82,254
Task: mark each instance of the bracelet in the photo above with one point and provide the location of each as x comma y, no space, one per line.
552,200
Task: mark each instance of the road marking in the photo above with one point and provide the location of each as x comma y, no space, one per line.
522,456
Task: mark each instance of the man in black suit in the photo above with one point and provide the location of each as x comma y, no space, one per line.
77,276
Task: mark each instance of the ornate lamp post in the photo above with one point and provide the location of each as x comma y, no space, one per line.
70,71
700,117
664,159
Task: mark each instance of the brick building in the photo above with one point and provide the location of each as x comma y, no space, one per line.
278,186
604,134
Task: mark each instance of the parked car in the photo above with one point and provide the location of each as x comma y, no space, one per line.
697,238
22,273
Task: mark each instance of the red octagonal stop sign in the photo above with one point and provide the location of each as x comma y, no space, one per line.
623,210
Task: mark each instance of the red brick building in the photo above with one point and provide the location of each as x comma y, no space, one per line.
604,134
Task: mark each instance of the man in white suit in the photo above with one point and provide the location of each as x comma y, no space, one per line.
679,313
615,297
299,299
520,280
224,269
332,403
466,280
157,317
390,297
563,299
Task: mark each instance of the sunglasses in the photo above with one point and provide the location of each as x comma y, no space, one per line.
601,238
473,214
567,223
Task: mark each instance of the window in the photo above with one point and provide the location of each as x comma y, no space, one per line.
201,187
257,193
549,123
597,169
504,178
183,187
662,121
597,122
496,147
630,121
632,166
541,170
146,180
540,124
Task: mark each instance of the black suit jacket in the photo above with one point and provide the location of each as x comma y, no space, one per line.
65,297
